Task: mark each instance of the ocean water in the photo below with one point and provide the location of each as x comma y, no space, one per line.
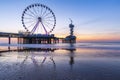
80,61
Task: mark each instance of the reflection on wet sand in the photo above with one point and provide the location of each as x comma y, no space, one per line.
38,58
34,60
38,65
72,63
71,55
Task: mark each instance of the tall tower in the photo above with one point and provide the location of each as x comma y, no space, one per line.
71,26
70,38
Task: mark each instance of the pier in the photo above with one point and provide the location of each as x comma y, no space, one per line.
37,39
38,30
31,38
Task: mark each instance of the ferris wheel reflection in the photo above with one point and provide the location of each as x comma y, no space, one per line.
41,61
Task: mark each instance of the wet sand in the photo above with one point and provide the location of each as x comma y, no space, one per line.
61,64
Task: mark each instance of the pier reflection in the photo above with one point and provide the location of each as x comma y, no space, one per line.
71,53
31,53
43,61
50,51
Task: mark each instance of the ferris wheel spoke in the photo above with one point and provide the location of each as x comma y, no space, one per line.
35,11
47,26
47,14
32,12
41,11
29,21
49,23
49,20
27,18
31,25
29,15
49,17
44,12
38,10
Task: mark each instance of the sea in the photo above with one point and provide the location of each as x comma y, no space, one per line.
63,61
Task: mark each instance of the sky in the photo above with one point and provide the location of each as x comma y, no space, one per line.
94,20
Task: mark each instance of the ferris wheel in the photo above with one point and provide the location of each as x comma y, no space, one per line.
38,19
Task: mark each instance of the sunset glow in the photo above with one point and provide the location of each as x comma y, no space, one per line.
94,20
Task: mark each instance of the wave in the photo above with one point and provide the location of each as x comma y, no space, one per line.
68,46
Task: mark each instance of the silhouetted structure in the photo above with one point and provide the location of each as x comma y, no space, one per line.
71,38
37,39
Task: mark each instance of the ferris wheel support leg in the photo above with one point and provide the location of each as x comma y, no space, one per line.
44,29
35,27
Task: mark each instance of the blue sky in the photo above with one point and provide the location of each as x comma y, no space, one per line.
90,17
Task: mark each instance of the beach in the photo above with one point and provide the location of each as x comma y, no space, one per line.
80,61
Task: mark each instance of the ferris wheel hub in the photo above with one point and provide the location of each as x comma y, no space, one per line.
39,19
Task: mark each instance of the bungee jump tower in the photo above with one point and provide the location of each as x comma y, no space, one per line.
71,38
